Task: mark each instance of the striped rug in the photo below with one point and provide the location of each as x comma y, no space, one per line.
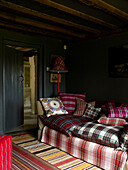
53,156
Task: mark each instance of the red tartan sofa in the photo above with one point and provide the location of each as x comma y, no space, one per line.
5,152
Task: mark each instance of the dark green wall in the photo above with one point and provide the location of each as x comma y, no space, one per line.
88,70
46,47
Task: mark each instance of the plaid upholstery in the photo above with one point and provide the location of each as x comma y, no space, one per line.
124,138
99,155
80,107
102,134
91,112
118,112
62,123
112,121
53,106
5,152
69,101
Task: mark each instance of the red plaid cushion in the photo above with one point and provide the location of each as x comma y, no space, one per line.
80,107
118,112
69,101
112,121
106,106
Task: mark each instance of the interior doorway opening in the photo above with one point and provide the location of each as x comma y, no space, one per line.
29,81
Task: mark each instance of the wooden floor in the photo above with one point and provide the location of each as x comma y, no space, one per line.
30,122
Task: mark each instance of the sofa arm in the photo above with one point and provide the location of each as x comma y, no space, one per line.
40,124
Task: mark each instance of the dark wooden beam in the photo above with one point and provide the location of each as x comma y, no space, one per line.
100,4
32,31
34,23
33,13
76,13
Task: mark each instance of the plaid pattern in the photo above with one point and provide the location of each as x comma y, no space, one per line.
112,121
69,101
124,138
91,112
101,156
53,106
118,112
102,134
108,105
80,107
62,123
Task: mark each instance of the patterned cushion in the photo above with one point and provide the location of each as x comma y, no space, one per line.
112,121
53,106
124,138
118,112
69,101
80,107
108,105
91,112
98,133
62,123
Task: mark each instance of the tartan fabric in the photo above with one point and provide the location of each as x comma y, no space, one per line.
69,101
118,112
108,105
91,112
99,133
124,138
80,107
5,152
62,123
53,106
112,121
99,155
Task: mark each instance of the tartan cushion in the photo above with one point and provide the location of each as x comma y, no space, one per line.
124,138
62,123
91,112
80,107
69,101
112,121
98,133
53,106
108,105
118,112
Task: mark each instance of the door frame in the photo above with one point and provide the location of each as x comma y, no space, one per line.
40,69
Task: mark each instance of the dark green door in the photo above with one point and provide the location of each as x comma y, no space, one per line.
13,88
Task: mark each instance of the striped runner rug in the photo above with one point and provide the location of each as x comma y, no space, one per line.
53,158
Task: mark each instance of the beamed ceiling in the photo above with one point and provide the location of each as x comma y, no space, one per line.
69,20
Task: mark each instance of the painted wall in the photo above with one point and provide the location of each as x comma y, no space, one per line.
46,47
88,70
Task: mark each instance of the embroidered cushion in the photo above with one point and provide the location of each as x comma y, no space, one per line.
98,133
124,138
69,101
91,112
53,106
62,123
112,121
118,112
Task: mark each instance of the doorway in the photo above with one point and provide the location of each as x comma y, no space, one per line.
28,81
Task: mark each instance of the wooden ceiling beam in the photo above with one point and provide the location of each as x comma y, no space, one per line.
22,28
76,13
100,4
38,24
33,13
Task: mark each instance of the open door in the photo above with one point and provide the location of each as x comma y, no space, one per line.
13,89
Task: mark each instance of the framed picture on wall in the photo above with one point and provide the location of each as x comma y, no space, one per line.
54,78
